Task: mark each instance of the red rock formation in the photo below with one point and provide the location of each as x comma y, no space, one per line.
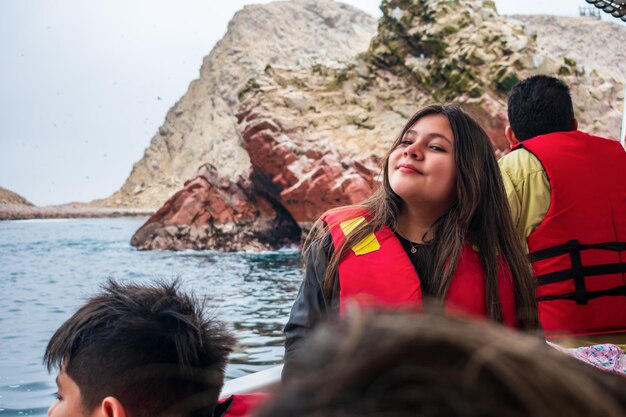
212,212
306,181
289,186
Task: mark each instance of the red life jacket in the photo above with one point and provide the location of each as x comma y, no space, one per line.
239,405
577,251
386,277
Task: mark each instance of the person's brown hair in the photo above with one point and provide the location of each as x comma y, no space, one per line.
479,215
152,346
393,364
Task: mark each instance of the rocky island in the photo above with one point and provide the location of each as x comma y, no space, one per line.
15,207
295,105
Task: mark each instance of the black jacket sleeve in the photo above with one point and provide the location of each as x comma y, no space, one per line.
311,305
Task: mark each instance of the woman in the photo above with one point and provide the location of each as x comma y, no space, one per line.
438,227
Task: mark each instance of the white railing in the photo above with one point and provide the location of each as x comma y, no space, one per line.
260,381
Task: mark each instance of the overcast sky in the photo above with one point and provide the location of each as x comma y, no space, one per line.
84,85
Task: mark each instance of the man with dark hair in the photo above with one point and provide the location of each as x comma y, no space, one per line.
539,105
394,364
567,192
139,351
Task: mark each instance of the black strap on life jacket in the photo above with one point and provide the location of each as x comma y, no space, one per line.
562,249
578,272
616,291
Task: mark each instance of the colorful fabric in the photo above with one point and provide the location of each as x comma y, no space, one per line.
607,357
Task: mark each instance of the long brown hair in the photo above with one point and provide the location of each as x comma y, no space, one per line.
480,215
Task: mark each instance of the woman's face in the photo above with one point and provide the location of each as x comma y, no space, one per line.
421,168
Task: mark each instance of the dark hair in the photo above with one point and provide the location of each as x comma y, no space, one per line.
150,346
480,214
401,364
539,105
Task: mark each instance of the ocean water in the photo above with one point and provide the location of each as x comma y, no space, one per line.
49,267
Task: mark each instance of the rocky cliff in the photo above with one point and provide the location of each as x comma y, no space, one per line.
9,197
592,46
590,42
202,128
307,132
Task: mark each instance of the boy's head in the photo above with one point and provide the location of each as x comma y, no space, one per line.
139,350
539,105
394,364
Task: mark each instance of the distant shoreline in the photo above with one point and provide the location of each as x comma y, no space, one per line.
24,212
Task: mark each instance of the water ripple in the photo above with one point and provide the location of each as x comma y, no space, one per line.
50,267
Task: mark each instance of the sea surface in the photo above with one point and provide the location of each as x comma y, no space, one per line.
49,267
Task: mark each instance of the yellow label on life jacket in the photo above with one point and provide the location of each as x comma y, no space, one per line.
368,244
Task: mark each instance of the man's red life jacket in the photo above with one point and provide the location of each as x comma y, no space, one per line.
377,271
578,250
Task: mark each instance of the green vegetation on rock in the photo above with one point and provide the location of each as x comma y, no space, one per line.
506,79
250,85
443,47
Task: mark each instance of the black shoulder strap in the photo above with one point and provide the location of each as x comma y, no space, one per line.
563,249
577,272
616,291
